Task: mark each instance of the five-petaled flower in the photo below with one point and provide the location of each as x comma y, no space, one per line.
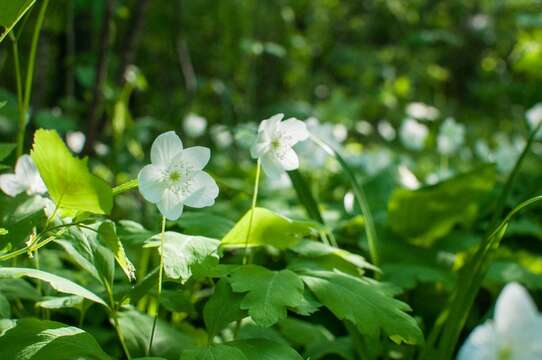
25,179
175,177
514,334
274,144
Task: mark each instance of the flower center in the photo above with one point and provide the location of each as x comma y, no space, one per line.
505,353
174,176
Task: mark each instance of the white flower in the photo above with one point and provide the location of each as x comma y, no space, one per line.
407,178
221,136
175,177
386,130
194,125
274,144
25,179
514,334
328,133
413,134
451,136
534,116
76,141
421,111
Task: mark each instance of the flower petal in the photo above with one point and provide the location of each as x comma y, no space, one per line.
295,129
270,125
170,205
514,310
205,193
196,157
150,183
10,185
482,344
260,147
288,159
271,166
165,147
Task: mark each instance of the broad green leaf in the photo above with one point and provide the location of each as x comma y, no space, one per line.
58,283
223,307
2,104
33,339
18,289
108,235
168,342
70,184
11,12
268,228
205,224
409,275
5,149
304,333
260,349
5,307
429,213
269,292
365,303
60,302
19,216
182,252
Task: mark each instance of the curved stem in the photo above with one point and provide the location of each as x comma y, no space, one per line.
129,185
253,206
160,275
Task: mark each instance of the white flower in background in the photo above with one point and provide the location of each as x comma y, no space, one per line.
311,152
407,178
451,136
274,144
194,125
221,136
25,179
386,130
101,149
175,177
76,141
513,334
479,22
534,116
413,134
348,202
246,134
364,127
373,160
507,152
421,111
483,151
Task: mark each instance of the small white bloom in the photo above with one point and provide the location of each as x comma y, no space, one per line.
514,334
386,130
194,125
76,141
310,151
364,127
451,136
274,144
407,178
175,177
534,116
421,111
413,134
221,136
25,179
479,22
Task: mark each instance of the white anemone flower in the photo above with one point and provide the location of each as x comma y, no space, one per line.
75,141
274,144
175,177
25,179
421,111
514,334
194,125
451,136
413,134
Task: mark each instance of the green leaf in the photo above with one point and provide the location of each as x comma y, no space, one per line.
268,228
269,292
58,283
2,104
18,289
260,349
12,12
222,308
70,184
108,235
60,302
5,307
182,252
33,339
19,216
168,342
5,149
408,275
205,224
429,213
365,303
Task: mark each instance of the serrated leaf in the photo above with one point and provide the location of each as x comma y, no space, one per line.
182,252
223,307
33,339
269,292
69,183
260,349
58,283
364,303
108,235
268,228
429,213
12,12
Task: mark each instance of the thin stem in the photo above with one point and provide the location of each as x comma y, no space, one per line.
160,275
253,206
120,336
29,76
129,185
18,82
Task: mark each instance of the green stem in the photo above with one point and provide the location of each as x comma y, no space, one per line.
252,207
29,76
18,82
370,229
129,185
120,335
160,275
